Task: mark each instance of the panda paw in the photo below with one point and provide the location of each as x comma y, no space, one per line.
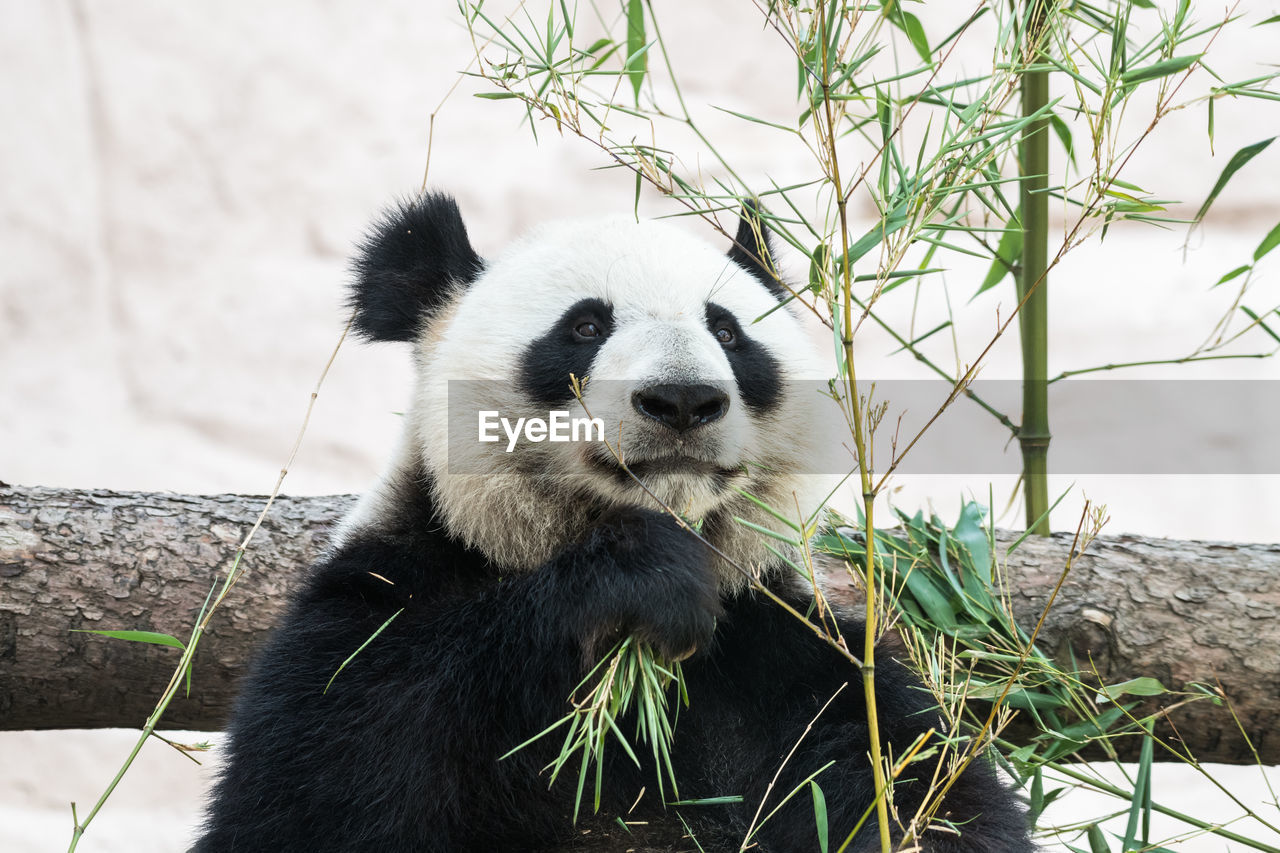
649,578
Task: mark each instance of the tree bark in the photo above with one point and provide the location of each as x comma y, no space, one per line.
90,560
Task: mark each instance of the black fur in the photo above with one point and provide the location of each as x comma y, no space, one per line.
756,372
407,264
402,752
755,254
547,362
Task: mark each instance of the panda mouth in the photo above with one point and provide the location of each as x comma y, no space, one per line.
663,466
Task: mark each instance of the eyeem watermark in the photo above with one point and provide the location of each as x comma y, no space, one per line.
558,426
1132,427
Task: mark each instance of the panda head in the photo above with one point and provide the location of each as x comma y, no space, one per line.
687,361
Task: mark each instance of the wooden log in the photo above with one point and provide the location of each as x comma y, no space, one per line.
74,560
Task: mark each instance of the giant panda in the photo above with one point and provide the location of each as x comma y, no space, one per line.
510,574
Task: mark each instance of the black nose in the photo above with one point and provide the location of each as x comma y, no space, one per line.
681,407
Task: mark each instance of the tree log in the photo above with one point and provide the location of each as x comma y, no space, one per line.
85,560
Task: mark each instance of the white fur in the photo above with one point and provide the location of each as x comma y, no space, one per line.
521,508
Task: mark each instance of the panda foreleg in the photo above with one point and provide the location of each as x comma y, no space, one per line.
639,573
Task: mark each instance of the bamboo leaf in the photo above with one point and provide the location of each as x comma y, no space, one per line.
1235,164
1036,803
709,801
932,600
597,45
1144,686
820,815
637,61
911,26
1268,243
1097,841
764,531
1096,727
773,512
818,261
151,637
969,533
352,657
945,324
1063,132
754,119
1007,253
1141,799
915,33
566,17
893,221
1235,273
1261,325
1163,68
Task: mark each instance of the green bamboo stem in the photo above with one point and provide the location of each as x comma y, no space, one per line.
862,447
1033,285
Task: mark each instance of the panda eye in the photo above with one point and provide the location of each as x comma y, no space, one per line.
725,335
587,330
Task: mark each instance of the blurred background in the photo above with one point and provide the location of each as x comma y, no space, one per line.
180,187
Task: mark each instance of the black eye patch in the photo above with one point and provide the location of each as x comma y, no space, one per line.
569,346
755,370
724,327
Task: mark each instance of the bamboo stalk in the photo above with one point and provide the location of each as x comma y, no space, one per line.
861,444
1033,284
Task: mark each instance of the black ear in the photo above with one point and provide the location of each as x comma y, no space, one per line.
753,249
414,254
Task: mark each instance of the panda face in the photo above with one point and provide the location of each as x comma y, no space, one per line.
684,355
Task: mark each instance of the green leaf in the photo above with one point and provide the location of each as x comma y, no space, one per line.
819,814
945,324
1235,273
598,44
932,600
1063,130
637,61
1184,6
754,119
1274,19
352,657
1092,728
496,96
152,637
1235,164
1036,802
764,531
969,533
1097,841
1163,68
1025,700
915,33
1138,808
893,221
818,261
1268,243
1144,686
1039,799
1007,253
1261,325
